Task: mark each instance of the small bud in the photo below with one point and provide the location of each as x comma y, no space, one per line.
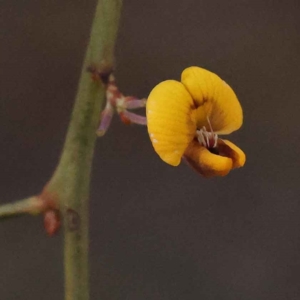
52,221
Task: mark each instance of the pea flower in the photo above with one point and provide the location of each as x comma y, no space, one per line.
185,118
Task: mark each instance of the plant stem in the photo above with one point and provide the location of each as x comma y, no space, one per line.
31,205
71,179
68,189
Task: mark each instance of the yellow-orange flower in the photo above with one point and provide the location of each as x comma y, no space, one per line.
185,117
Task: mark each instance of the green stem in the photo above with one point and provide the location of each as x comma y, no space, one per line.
71,179
31,205
68,189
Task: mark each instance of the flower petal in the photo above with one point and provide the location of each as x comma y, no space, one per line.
205,162
170,126
229,149
214,99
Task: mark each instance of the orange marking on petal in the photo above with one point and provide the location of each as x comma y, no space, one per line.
227,148
214,99
205,162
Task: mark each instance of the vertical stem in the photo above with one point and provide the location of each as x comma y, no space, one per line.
71,180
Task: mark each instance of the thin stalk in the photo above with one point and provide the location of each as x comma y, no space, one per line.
66,194
31,205
71,180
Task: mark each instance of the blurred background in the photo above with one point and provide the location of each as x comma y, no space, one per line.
157,232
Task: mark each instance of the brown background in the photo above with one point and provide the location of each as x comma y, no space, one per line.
157,232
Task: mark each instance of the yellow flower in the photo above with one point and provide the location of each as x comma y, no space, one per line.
184,120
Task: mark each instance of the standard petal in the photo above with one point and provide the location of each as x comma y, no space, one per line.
205,162
214,99
170,126
229,149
